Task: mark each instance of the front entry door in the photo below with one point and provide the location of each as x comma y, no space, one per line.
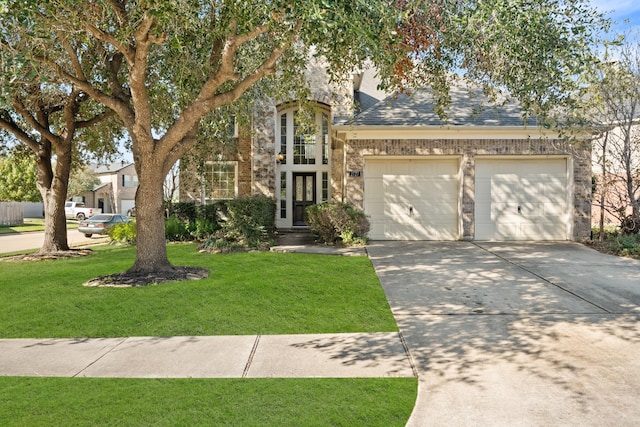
304,194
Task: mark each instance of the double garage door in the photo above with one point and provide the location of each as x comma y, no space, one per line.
420,199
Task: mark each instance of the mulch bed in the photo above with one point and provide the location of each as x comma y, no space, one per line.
129,280
607,247
71,253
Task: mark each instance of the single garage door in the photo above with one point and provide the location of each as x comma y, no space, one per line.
127,206
521,199
412,199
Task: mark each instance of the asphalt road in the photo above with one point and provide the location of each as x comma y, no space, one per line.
26,241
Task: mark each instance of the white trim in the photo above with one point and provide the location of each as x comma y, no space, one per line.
521,156
318,167
433,132
412,157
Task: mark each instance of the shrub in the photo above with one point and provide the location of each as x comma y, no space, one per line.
333,222
628,245
249,223
250,220
222,243
175,229
185,212
124,233
204,228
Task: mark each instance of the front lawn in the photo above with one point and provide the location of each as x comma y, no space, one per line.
349,402
246,293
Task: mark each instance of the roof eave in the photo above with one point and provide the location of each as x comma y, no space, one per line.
351,131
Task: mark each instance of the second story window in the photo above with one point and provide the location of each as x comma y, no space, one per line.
129,180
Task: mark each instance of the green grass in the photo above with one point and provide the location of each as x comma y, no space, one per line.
194,402
246,293
31,224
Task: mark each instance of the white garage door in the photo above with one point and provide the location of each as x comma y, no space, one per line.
414,199
521,199
127,206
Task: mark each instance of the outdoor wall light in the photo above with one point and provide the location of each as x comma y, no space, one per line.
280,158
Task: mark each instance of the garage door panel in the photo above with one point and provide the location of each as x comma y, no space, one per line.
412,199
524,199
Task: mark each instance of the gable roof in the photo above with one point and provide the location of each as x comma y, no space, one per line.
110,168
469,107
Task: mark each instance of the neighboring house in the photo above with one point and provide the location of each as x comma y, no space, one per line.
616,196
482,174
116,192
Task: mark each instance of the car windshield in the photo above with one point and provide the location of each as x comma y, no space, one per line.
101,218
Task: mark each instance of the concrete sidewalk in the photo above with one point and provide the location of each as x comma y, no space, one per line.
252,356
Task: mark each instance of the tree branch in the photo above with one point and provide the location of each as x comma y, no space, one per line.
137,77
121,107
19,107
120,10
73,56
8,124
208,99
96,119
109,39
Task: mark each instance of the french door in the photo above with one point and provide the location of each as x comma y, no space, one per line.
304,194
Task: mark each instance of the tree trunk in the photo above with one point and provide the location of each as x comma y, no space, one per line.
151,252
603,187
53,188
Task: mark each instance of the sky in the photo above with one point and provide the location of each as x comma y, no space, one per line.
619,11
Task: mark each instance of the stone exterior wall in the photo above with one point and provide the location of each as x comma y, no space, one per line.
339,100
263,150
467,150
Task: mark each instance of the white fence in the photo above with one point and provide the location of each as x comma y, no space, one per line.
11,213
33,209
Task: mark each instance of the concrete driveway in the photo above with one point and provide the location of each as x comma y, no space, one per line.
516,334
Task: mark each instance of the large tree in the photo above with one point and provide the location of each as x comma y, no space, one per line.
616,105
167,64
54,121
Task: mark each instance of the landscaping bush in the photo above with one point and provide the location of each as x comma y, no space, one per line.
616,242
185,212
204,229
334,222
124,233
175,229
249,223
628,244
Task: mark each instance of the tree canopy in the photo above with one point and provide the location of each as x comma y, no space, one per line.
18,177
164,66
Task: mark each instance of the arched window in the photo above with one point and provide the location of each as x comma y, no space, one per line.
304,142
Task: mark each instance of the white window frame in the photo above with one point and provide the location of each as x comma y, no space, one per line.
284,139
207,190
